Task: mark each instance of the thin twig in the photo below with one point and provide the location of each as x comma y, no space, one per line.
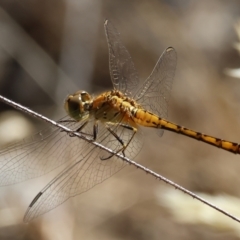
129,161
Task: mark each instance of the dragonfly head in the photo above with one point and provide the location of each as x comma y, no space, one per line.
77,105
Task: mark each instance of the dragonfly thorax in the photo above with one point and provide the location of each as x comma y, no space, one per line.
77,105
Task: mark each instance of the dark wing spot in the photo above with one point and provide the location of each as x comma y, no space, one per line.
35,199
115,114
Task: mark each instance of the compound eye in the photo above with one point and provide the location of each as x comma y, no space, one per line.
74,104
85,96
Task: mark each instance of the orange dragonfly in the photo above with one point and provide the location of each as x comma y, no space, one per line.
114,119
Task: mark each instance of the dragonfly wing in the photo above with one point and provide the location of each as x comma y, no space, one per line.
87,169
37,155
76,179
155,93
122,70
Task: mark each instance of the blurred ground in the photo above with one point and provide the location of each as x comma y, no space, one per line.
50,48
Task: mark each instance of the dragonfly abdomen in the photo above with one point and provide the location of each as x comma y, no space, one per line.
148,119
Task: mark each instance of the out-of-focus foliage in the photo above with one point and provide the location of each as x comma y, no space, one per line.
50,48
235,72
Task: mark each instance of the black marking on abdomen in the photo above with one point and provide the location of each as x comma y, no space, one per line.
199,135
235,144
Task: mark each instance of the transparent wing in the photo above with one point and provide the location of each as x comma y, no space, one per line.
87,171
123,73
34,156
48,150
155,92
80,177
51,148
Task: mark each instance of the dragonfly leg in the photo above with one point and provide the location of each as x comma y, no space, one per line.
124,146
81,127
93,135
66,121
134,130
80,130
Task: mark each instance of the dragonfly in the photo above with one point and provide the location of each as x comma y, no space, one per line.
114,118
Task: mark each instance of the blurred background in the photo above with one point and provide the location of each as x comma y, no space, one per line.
50,48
